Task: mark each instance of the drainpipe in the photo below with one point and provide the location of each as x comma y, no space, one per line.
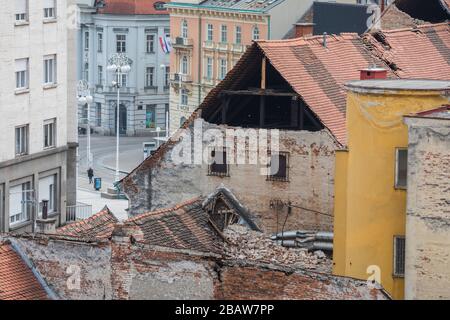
269,29
51,294
199,67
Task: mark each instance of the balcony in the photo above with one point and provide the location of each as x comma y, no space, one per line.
221,46
209,45
238,48
123,90
175,78
183,43
208,81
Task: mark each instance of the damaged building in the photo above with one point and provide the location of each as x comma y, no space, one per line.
204,248
296,87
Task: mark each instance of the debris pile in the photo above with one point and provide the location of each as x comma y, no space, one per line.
244,244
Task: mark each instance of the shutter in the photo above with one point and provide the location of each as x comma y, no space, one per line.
21,65
49,3
21,6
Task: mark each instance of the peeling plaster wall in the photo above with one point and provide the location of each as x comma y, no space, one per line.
427,274
75,271
311,183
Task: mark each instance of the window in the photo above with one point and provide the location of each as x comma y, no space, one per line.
184,65
150,43
209,68
121,43
50,69
279,167
167,76
100,75
49,133
124,80
22,140
222,68
209,32
401,168
21,10
98,114
100,42
184,29
150,116
86,41
182,121
49,9
86,71
20,203
150,77
184,97
47,191
21,73
238,39
255,33
224,34
399,256
218,166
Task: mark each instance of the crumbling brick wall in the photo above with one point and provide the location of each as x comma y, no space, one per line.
74,270
427,274
309,190
240,281
143,273
393,18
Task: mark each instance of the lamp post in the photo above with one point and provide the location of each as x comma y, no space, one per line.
85,98
120,64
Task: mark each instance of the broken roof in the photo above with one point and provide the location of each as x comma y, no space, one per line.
98,227
17,281
185,226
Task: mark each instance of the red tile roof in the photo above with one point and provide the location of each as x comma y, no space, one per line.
185,226
17,281
420,53
132,7
99,226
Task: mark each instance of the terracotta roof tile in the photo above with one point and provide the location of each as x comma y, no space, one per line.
17,281
99,226
185,226
132,7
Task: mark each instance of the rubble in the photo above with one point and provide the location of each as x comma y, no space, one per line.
246,244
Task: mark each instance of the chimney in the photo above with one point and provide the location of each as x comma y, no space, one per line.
373,73
44,224
324,40
303,29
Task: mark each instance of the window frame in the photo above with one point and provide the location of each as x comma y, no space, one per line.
226,165
50,9
24,16
224,33
238,31
223,69
24,75
49,124
23,138
209,32
184,97
150,43
209,68
184,29
121,44
49,74
100,75
270,176
150,77
99,41
256,31
395,271
184,65
396,171
26,198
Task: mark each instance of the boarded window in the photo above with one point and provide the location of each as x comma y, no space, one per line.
279,167
399,256
218,166
401,168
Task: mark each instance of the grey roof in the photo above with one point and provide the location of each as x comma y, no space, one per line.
253,5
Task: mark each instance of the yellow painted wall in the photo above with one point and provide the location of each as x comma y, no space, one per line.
369,211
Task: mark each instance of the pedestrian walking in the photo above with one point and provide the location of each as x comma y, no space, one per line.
90,174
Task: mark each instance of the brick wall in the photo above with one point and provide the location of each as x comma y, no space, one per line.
393,18
427,275
311,161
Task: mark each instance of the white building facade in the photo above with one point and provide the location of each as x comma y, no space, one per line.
38,137
144,95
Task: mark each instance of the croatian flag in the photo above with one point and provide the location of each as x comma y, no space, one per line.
166,44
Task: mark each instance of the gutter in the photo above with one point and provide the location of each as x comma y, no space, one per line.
51,294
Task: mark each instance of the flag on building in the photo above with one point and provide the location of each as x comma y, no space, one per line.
166,44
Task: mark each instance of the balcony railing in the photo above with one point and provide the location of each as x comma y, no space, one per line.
222,46
209,45
123,90
238,48
80,211
182,42
175,78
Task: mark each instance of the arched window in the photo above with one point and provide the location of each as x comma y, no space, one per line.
184,65
184,29
255,33
184,97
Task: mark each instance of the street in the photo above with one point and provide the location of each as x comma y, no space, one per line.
103,149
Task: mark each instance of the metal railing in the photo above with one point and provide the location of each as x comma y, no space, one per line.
80,211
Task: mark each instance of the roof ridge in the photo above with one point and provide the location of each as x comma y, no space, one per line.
163,211
104,211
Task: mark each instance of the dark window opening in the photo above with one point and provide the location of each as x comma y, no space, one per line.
279,167
399,256
219,166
